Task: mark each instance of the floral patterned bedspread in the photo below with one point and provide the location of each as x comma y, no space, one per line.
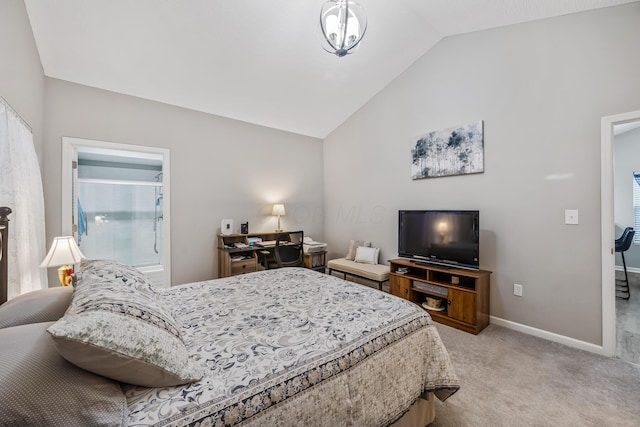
296,347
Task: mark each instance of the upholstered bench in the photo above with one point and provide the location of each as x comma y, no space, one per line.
375,272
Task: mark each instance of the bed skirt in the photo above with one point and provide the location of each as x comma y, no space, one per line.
420,414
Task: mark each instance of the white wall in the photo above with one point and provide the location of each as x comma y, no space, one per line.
541,89
220,168
21,75
627,161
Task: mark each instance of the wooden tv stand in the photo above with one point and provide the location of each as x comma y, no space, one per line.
464,294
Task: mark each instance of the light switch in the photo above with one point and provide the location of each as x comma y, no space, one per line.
571,216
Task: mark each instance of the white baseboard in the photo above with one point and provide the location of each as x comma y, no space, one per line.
629,269
551,336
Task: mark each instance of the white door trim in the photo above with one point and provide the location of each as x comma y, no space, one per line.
70,144
608,228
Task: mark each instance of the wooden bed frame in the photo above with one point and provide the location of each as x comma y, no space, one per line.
4,260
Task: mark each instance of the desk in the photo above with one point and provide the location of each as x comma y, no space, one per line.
233,260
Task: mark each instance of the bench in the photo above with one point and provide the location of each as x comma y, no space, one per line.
377,273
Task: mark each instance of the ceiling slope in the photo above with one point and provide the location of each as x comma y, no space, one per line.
256,61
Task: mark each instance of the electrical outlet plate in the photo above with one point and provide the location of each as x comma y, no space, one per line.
517,290
571,216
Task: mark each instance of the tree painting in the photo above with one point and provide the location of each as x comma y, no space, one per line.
454,151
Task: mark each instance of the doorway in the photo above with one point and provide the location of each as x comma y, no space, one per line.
609,328
116,204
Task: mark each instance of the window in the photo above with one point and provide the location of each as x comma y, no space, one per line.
636,206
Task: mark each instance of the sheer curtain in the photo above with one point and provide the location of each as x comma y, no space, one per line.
21,190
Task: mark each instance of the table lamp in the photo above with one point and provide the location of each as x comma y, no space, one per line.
64,253
278,210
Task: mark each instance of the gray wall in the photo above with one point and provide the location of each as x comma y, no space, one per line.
21,75
627,161
220,168
541,89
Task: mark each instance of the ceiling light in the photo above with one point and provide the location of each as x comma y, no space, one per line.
343,24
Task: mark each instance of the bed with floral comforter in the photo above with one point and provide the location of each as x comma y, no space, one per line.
296,347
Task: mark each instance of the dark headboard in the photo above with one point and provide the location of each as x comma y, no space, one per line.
4,259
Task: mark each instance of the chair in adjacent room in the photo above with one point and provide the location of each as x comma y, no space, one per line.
622,244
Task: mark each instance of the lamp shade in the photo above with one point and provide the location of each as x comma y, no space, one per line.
278,210
63,251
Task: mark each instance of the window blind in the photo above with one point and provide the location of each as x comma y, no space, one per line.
636,206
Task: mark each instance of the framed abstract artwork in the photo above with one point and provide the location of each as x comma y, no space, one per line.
454,151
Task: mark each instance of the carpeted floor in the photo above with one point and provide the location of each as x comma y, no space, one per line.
512,379
628,321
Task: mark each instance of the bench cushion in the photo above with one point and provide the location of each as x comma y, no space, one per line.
377,272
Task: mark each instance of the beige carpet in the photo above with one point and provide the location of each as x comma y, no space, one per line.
513,379
628,322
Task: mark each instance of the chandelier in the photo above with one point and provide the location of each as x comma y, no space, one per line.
343,24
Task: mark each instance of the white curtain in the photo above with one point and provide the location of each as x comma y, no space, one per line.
21,190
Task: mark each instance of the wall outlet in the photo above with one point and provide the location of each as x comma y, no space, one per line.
517,290
571,216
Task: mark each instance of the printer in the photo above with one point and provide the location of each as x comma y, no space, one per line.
310,246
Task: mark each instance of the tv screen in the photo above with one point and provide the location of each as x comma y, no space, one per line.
442,237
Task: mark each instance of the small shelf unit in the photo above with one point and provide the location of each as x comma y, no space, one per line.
316,261
464,294
233,261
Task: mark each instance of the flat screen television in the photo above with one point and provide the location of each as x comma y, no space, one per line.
449,238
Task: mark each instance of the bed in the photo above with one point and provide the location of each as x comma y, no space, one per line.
282,347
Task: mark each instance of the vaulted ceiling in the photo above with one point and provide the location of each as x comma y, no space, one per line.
257,61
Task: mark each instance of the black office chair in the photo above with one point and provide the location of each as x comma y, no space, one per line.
289,251
622,244
620,239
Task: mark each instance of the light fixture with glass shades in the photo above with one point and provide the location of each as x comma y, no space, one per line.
342,23
64,253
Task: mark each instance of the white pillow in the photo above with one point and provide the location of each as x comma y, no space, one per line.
353,245
123,333
367,255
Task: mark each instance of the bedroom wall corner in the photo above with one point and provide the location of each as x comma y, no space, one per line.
541,88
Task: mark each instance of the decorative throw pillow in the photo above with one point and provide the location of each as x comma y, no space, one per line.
122,333
367,255
353,245
114,270
40,388
44,305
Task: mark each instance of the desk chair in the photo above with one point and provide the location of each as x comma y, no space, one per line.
287,252
623,243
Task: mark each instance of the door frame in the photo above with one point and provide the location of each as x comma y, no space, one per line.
70,145
608,228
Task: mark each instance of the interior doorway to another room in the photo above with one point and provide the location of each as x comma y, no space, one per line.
116,204
626,172
616,193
